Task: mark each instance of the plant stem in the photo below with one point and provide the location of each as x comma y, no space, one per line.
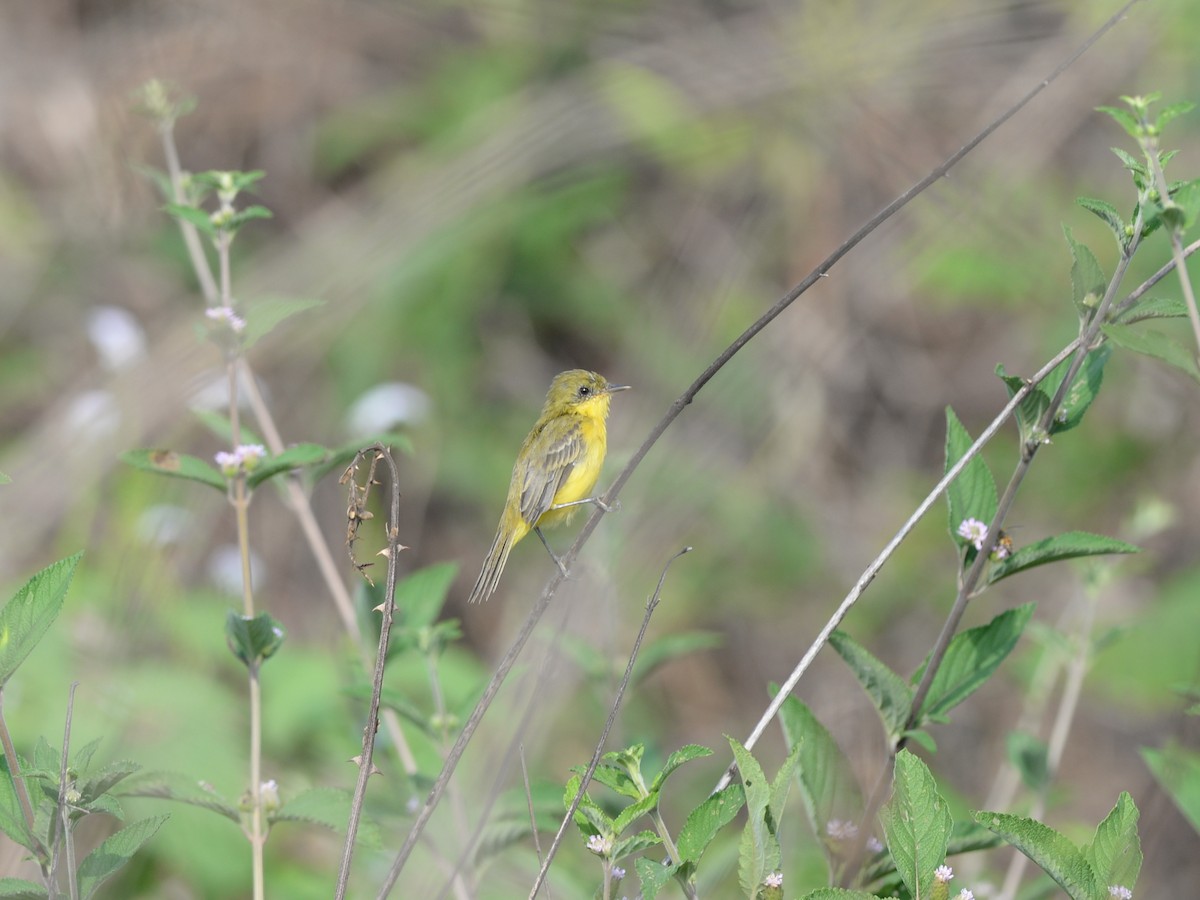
64,807
1150,147
14,771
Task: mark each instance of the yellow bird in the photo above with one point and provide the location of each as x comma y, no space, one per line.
556,469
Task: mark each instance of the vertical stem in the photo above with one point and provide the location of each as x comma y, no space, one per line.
14,771
64,808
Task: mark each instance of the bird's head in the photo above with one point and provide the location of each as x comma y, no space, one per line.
580,392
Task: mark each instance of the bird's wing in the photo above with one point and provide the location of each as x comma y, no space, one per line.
552,457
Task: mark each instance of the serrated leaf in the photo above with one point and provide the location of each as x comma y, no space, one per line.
20,889
706,820
1123,118
1108,215
917,825
82,758
329,808
827,785
107,778
1083,390
684,754
103,862
1051,851
635,844
265,314
1115,853
888,691
253,640
1088,282
590,818
633,812
973,494
174,465
1151,343
758,851
193,216
653,876
12,818
1154,308
780,788
971,658
1029,756
1173,111
179,788
614,778
1069,545
296,457
1186,197
242,216
27,617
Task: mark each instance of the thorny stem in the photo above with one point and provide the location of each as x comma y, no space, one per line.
366,760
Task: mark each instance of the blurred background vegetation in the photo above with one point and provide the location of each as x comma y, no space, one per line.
484,194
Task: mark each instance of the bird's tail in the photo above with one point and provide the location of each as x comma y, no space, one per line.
493,565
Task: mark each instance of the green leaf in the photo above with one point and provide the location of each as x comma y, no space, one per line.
253,640
27,617
175,465
12,818
1151,343
112,854
5,479
1186,197
1109,215
917,825
297,457
633,812
265,314
1154,308
106,779
1029,756
706,820
973,494
1115,853
20,889
1123,118
684,754
194,216
1083,389
590,818
1030,410
781,786
653,876
971,658
1069,545
758,852
1088,282
328,808
1173,111
826,783
614,778
1177,771
635,844
180,788
888,691
242,216
422,594
1057,856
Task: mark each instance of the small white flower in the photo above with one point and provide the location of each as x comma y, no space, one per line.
943,874
841,831
964,894
225,315
599,845
1120,892
874,844
973,531
775,879
618,873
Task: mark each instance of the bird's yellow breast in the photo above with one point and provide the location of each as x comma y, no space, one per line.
584,474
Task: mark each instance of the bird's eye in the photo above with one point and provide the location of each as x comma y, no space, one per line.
584,390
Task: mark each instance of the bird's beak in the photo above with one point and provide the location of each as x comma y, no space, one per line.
613,388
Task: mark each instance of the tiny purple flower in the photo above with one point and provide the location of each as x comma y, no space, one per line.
943,874
225,315
973,531
618,873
